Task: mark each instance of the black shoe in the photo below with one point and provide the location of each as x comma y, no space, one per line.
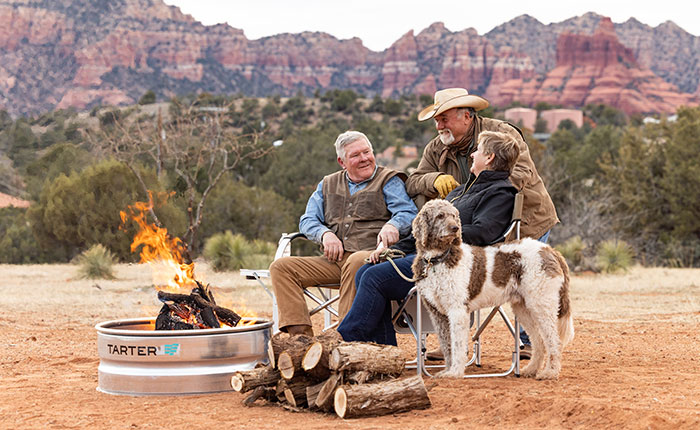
435,355
525,352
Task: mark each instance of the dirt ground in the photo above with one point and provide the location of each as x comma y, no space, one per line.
635,361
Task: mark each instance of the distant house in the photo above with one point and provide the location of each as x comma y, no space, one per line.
7,200
555,116
520,115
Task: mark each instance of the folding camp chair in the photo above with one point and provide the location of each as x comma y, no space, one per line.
325,294
410,317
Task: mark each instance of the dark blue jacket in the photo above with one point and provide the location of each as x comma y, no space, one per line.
485,208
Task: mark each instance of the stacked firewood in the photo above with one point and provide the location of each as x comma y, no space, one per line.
324,373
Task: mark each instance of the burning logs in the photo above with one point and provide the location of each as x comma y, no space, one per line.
197,310
324,373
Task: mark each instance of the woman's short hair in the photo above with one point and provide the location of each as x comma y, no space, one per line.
347,138
502,146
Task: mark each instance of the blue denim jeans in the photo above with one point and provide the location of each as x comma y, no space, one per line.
524,338
369,319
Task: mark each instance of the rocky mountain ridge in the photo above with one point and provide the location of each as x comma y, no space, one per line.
70,53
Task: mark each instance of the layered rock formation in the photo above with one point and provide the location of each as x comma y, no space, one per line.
71,53
596,69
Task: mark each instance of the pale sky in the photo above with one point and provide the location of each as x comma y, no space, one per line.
379,23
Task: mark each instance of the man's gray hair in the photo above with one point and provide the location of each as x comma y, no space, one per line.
468,110
347,138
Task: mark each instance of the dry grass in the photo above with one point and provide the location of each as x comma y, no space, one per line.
642,294
130,295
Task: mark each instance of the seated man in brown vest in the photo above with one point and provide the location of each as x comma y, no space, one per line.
349,214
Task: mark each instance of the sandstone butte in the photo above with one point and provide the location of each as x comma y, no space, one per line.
112,54
596,69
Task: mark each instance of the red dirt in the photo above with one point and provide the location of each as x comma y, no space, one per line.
624,369
615,375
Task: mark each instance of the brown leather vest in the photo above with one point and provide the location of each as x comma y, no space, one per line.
356,219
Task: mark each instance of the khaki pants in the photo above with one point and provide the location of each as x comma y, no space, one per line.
290,275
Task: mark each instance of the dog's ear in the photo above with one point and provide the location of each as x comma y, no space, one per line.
417,267
419,229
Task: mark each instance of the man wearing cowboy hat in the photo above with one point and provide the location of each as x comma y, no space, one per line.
446,161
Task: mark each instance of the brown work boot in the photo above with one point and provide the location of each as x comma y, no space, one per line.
435,355
300,329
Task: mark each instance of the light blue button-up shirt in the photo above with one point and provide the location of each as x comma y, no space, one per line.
401,207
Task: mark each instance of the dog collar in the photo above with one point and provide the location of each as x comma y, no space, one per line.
430,262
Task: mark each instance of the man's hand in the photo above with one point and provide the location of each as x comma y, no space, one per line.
388,235
444,184
332,247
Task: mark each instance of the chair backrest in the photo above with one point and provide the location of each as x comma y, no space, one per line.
516,217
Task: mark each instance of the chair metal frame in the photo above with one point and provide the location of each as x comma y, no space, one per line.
410,309
323,297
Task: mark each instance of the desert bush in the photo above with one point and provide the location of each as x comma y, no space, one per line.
614,256
96,263
228,251
572,250
77,211
148,98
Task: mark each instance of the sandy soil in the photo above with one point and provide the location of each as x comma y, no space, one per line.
635,362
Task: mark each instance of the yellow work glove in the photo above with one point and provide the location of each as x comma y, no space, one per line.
444,184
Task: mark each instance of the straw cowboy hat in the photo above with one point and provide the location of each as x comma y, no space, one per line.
452,98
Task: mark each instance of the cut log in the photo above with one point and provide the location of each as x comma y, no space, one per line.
324,400
360,377
369,357
289,360
294,390
279,343
315,359
398,395
312,394
249,379
260,392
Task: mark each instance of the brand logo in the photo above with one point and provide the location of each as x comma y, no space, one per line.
142,350
171,349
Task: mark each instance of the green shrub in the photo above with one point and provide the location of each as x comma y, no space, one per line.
614,256
572,250
228,251
95,263
148,98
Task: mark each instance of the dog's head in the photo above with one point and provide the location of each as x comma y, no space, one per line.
437,226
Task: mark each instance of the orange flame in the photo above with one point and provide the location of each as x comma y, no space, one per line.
163,253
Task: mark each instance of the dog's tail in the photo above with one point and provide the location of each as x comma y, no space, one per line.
566,320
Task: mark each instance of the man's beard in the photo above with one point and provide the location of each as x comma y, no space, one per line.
446,137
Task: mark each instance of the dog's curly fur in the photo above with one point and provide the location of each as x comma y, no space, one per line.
530,275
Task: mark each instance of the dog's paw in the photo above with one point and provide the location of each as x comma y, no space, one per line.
450,373
529,371
547,374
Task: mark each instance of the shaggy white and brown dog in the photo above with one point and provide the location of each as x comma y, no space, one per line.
458,279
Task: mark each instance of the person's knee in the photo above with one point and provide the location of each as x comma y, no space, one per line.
356,260
279,266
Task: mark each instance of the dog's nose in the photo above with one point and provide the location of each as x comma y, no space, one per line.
454,228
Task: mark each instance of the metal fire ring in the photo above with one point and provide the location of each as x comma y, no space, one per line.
136,359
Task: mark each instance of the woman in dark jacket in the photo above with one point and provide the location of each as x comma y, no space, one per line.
485,205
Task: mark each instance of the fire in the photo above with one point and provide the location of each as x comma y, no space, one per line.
163,253
171,272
